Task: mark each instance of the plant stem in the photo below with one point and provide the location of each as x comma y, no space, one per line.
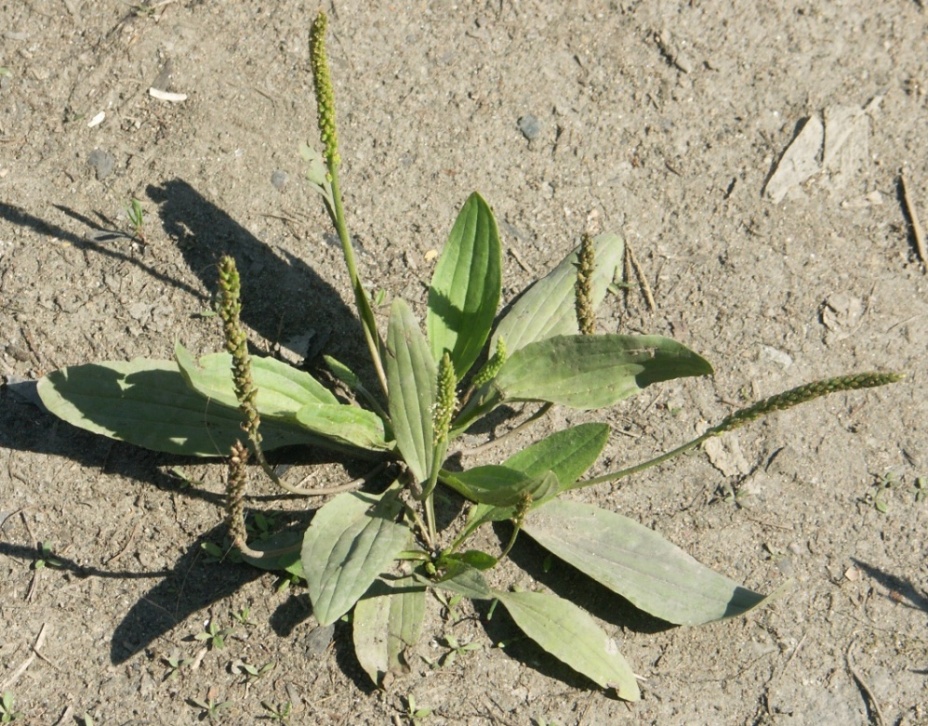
365,312
779,402
325,102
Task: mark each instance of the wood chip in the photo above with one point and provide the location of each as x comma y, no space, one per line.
167,95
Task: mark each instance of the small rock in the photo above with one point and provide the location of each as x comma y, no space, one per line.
102,162
529,126
317,642
279,179
775,355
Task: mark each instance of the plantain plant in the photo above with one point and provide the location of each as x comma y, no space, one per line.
379,551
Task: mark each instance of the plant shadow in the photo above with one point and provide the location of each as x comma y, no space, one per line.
283,298
902,590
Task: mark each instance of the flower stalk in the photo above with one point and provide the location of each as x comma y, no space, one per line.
325,102
779,402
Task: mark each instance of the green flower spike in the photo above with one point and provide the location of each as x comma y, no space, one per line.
325,96
583,291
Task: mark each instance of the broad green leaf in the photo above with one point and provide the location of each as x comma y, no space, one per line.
567,453
592,371
148,403
465,288
387,620
637,563
352,540
350,425
412,377
463,580
287,394
573,637
472,558
547,308
282,389
499,485
287,562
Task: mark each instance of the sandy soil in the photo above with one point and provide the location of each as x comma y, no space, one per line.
666,120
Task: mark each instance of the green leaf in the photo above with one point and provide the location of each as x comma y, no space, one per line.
637,563
465,288
351,541
547,309
592,371
573,637
387,621
282,389
567,453
464,580
412,377
499,485
349,425
472,558
287,562
148,403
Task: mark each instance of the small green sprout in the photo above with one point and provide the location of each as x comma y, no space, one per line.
174,663
449,605
210,708
280,713
213,636
8,713
455,649
47,558
136,214
242,616
413,713
239,667
883,489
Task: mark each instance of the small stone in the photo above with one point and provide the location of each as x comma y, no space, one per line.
279,179
529,126
102,162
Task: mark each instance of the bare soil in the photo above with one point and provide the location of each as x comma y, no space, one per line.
663,121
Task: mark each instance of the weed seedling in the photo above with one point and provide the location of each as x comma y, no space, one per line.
174,663
46,558
414,714
213,636
455,649
240,667
8,712
209,707
280,713
242,616
136,214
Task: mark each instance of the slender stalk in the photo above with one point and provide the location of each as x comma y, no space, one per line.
779,402
325,101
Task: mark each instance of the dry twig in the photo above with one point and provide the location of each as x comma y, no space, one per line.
917,230
873,707
24,666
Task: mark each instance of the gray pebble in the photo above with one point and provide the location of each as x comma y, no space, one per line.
279,179
529,126
102,162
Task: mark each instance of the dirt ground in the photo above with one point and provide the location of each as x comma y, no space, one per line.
663,120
